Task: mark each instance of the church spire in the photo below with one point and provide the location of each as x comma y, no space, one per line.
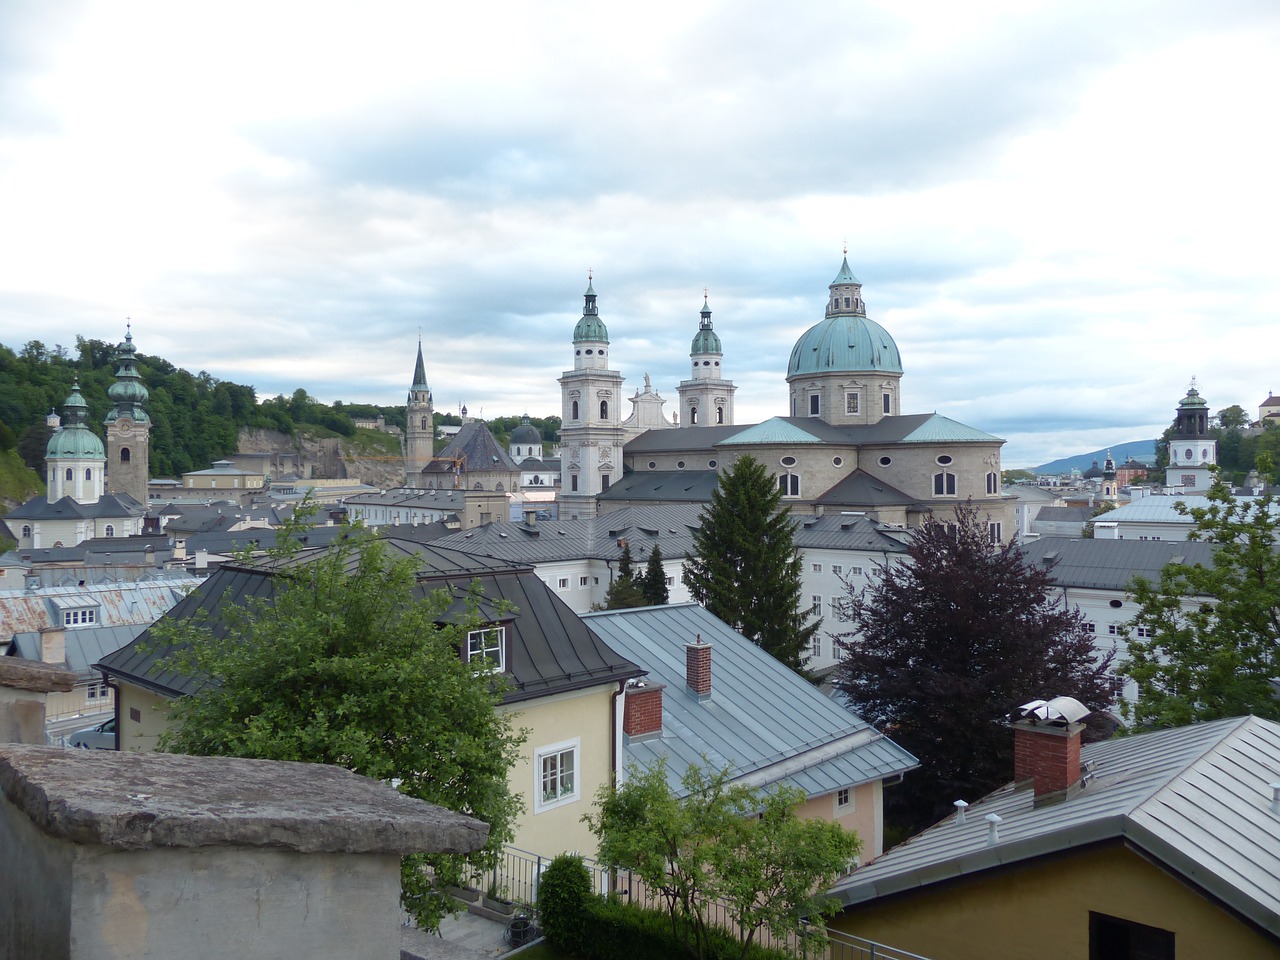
419,371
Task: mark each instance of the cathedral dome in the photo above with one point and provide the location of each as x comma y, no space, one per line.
845,344
526,434
846,341
706,340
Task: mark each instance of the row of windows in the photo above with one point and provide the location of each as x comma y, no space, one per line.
693,415
1118,630
73,618
604,410
605,479
852,403
944,483
838,569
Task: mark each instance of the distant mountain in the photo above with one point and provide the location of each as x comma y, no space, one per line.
1142,450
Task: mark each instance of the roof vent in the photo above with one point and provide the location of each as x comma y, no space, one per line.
1275,798
993,828
961,807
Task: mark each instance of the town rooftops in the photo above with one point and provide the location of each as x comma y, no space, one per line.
666,486
1196,801
807,740
1112,564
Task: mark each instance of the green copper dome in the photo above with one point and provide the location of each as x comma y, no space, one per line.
128,393
706,340
1193,400
74,440
846,341
590,327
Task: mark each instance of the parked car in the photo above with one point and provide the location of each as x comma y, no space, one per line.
101,737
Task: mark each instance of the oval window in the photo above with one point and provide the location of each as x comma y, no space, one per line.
1116,604
837,461
943,460
653,465
885,461
788,461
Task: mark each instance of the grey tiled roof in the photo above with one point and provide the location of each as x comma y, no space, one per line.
836,531
763,720
552,649
1112,564
108,506
667,486
1194,800
477,445
860,489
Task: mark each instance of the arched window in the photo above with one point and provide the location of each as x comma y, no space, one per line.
124,455
719,414
88,474
575,411
993,483
944,484
693,416
789,484
26,532
424,423
604,409
68,473
111,531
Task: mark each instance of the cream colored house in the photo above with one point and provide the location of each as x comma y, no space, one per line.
565,685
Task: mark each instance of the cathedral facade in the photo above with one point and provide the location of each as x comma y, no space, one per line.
843,446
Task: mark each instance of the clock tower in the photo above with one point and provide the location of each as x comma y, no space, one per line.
128,428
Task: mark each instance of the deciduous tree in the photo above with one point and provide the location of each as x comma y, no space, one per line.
345,661
719,841
944,645
1213,633
745,568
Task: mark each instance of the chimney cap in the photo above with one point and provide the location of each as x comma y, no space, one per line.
1060,711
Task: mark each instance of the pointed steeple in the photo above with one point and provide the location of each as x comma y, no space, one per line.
419,371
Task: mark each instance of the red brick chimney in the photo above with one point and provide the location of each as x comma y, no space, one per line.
642,709
1046,744
697,667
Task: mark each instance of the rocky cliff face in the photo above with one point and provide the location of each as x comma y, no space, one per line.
324,457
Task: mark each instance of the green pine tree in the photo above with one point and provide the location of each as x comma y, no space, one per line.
746,569
654,582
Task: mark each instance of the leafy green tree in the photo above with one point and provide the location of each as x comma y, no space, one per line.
1213,633
345,662
1232,417
654,582
944,646
746,569
716,840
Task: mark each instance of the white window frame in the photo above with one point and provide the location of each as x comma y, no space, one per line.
852,402
855,571
483,643
789,484
562,583
995,529
947,481
548,766
837,569
815,647
844,801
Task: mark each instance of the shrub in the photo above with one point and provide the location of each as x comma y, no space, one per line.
564,892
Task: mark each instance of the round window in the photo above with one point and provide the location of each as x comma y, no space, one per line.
679,464
944,460
653,465
711,464
885,461
788,461
837,461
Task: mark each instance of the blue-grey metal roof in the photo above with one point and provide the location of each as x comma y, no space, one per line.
1196,800
836,531
666,486
776,430
940,429
85,646
861,489
801,737
846,342
1112,564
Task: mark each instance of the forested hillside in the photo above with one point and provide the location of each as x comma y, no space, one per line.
195,418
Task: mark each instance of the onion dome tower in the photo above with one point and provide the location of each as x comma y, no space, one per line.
128,427
706,398
420,426
591,434
75,456
845,369
1192,449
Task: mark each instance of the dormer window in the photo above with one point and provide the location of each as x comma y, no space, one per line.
486,648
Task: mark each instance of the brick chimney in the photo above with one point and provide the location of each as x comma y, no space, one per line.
697,667
1046,744
642,710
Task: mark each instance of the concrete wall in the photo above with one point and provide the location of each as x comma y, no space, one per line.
1042,910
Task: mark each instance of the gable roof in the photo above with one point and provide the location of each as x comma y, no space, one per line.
861,489
1112,564
667,486
475,445
814,744
836,531
553,651
1196,800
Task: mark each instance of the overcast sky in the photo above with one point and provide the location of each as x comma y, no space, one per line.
1061,211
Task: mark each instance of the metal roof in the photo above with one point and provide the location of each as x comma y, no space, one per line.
552,649
477,449
802,737
667,486
940,429
1196,800
847,532
862,489
1111,564
669,525
777,430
